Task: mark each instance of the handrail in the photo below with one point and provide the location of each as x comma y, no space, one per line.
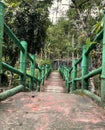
29,57
12,69
93,73
78,61
71,78
28,75
98,36
43,73
9,32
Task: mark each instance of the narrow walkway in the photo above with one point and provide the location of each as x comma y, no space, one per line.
54,84
51,110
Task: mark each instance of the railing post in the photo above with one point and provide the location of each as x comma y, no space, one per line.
103,67
23,58
2,10
32,72
84,66
39,82
43,74
68,84
46,71
64,73
74,75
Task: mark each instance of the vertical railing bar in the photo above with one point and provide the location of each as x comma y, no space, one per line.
32,72
2,10
74,75
103,66
84,68
23,59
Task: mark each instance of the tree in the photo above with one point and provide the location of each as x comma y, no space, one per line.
29,21
57,40
34,20
83,15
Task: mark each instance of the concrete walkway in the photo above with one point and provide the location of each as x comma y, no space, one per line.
51,110
54,84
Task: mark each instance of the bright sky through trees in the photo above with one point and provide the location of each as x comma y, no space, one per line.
58,10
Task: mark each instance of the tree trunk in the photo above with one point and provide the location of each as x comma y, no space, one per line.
83,24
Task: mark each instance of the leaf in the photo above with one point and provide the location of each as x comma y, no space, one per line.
97,26
89,42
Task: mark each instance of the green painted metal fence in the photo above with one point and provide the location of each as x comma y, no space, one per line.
84,60
43,71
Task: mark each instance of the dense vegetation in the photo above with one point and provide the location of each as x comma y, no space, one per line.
29,21
83,21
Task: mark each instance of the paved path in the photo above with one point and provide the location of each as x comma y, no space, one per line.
54,84
50,111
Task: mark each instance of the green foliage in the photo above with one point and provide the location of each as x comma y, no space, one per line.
83,15
46,61
89,42
58,40
97,27
43,61
29,21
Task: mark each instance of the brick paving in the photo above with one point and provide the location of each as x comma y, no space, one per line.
51,109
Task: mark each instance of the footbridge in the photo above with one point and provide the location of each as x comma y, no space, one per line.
57,103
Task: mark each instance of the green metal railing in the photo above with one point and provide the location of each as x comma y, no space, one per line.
84,60
43,74
43,71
